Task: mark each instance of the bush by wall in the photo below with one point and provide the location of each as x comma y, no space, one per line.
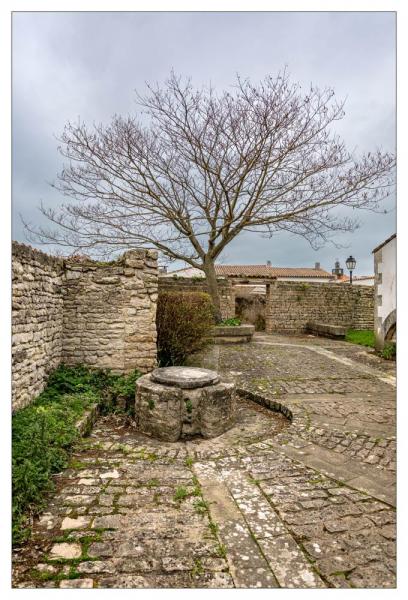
44,432
250,308
199,284
184,321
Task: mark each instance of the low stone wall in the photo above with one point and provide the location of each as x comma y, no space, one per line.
291,305
37,309
100,314
184,284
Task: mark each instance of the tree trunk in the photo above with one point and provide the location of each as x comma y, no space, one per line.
209,270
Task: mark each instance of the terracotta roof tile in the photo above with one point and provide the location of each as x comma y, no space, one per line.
346,278
267,271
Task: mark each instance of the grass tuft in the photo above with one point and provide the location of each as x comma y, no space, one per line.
363,337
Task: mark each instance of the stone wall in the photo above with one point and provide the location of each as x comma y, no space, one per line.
109,318
100,314
37,310
181,284
290,305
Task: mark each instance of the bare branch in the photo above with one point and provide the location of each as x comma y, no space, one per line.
208,166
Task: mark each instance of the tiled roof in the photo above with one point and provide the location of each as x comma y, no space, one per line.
346,278
267,271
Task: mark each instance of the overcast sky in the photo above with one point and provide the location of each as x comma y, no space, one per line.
67,65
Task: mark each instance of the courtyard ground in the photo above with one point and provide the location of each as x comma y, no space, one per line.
300,498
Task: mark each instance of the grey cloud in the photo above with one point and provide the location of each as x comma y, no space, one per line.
67,65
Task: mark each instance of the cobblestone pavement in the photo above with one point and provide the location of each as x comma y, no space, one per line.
300,502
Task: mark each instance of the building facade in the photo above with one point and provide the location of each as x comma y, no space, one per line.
385,305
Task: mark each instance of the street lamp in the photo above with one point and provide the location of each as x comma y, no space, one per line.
351,265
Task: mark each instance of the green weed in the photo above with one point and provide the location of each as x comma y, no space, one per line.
389,351
232,322
363,337
181,494
198,568
44,433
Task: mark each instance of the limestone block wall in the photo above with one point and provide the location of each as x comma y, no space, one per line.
37,309
290,305
184,284
363,307
109,315
100,314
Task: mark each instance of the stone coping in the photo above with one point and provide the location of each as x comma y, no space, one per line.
326,329
185,377
233,330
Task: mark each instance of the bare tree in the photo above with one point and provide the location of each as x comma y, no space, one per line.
200,167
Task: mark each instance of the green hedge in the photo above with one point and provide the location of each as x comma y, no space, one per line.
44,432
184,321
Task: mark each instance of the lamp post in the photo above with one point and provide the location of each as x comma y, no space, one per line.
351,265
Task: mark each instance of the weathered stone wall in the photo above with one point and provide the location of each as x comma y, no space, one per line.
181,284
100,314
110,313
37,308
290,305
363,309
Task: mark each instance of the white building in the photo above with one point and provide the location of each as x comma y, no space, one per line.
385,302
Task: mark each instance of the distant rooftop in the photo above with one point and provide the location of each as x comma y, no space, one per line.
346,278
269,271
256,271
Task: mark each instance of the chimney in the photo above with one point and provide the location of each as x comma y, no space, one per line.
268,263
317,266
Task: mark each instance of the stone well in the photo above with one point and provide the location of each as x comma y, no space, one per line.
173,403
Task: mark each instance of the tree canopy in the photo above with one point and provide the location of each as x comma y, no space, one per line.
198,167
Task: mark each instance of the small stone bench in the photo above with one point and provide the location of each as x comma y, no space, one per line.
229,334
327,330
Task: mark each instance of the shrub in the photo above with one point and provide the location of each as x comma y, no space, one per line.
184,321
44,432
42,436
260,323
389,351
232,322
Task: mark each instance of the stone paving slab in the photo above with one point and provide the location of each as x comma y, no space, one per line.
303,499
